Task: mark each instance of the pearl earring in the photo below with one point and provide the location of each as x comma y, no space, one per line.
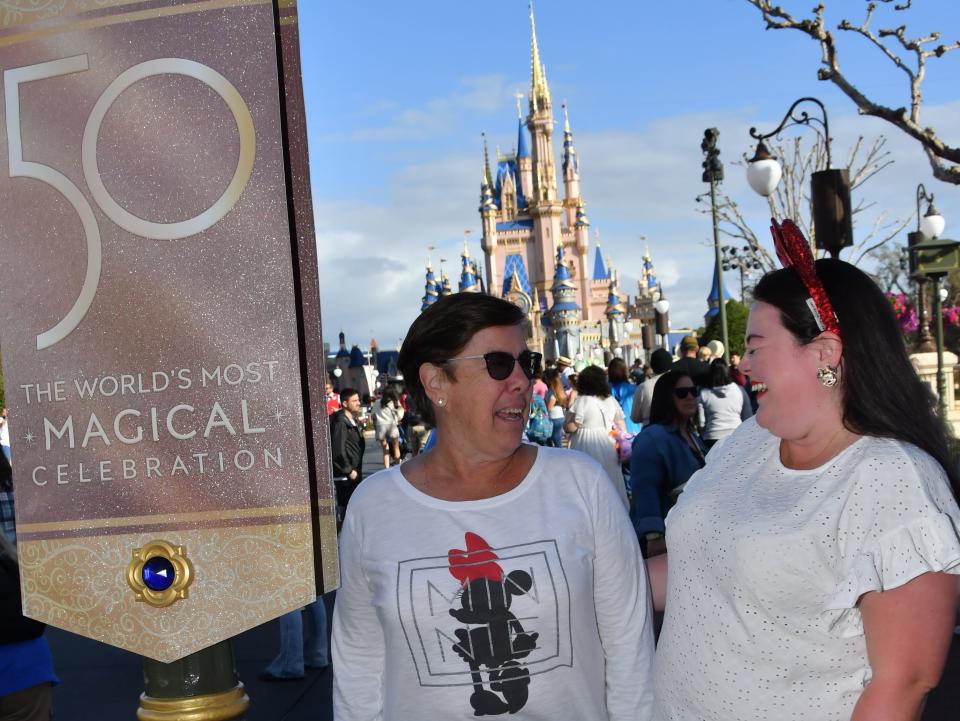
441,402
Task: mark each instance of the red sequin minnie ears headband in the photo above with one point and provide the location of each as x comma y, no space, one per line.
794,251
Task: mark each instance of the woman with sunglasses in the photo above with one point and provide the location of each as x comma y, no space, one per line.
589,421
487,576
813,562
665,454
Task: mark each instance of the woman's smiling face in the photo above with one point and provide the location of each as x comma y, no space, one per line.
487,414
783,373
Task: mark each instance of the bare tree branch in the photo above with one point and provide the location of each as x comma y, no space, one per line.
944,158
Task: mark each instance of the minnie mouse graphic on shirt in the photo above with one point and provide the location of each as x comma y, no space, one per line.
493,639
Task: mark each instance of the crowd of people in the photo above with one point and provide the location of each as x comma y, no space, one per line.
792,513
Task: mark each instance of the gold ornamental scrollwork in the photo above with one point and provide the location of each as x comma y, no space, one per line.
182,573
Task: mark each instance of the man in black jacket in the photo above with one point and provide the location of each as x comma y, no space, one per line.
346,441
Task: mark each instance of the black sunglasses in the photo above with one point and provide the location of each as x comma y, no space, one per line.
500,363
684,392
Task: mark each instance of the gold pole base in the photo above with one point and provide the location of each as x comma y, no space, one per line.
210,707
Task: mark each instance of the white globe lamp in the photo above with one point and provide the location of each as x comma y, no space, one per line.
763,171
932,223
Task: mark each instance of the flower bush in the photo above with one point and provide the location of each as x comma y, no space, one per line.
906,312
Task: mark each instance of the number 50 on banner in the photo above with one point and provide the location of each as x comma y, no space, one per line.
20,168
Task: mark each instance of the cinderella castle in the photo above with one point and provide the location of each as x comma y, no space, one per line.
536,245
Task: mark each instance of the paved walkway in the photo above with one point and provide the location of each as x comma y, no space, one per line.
103,683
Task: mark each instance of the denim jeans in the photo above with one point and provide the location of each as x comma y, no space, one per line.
297,651
557,440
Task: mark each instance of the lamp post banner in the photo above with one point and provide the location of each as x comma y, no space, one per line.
159,320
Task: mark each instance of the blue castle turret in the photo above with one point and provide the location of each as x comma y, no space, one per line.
431,290
616,313
712,299
564,313
468,273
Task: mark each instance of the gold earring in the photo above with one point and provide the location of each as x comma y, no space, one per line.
827,376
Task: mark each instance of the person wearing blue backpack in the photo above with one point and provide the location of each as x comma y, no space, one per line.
539,424
623,390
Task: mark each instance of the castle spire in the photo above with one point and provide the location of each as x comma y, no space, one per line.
600,269
614,304
486,186
486,162
539,92
468,272
431,288
571,165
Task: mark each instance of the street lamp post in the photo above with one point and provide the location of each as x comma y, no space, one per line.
627,344
741,259
929,227
661,310
713,174
829,188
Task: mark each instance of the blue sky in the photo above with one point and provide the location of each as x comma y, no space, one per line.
398,93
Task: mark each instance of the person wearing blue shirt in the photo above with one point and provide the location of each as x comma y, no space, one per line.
664,456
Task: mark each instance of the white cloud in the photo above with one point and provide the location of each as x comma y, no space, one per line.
635,181
480,94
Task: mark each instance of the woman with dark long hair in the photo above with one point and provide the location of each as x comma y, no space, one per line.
590,418
665,454
821,542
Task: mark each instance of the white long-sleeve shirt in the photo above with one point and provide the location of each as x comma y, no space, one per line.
533,602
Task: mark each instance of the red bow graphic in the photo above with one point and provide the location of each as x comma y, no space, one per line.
478,561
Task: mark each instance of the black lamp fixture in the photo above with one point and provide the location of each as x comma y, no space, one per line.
934,258
829,188
742,259
661,316
929,227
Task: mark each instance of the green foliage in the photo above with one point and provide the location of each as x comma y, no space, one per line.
737,314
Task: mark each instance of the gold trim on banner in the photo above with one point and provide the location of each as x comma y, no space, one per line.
329,564
168,518
128,17
209,707
243,577
22,12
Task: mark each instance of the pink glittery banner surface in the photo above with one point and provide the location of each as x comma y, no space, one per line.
149,329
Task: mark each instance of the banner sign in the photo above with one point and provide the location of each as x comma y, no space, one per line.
160,319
